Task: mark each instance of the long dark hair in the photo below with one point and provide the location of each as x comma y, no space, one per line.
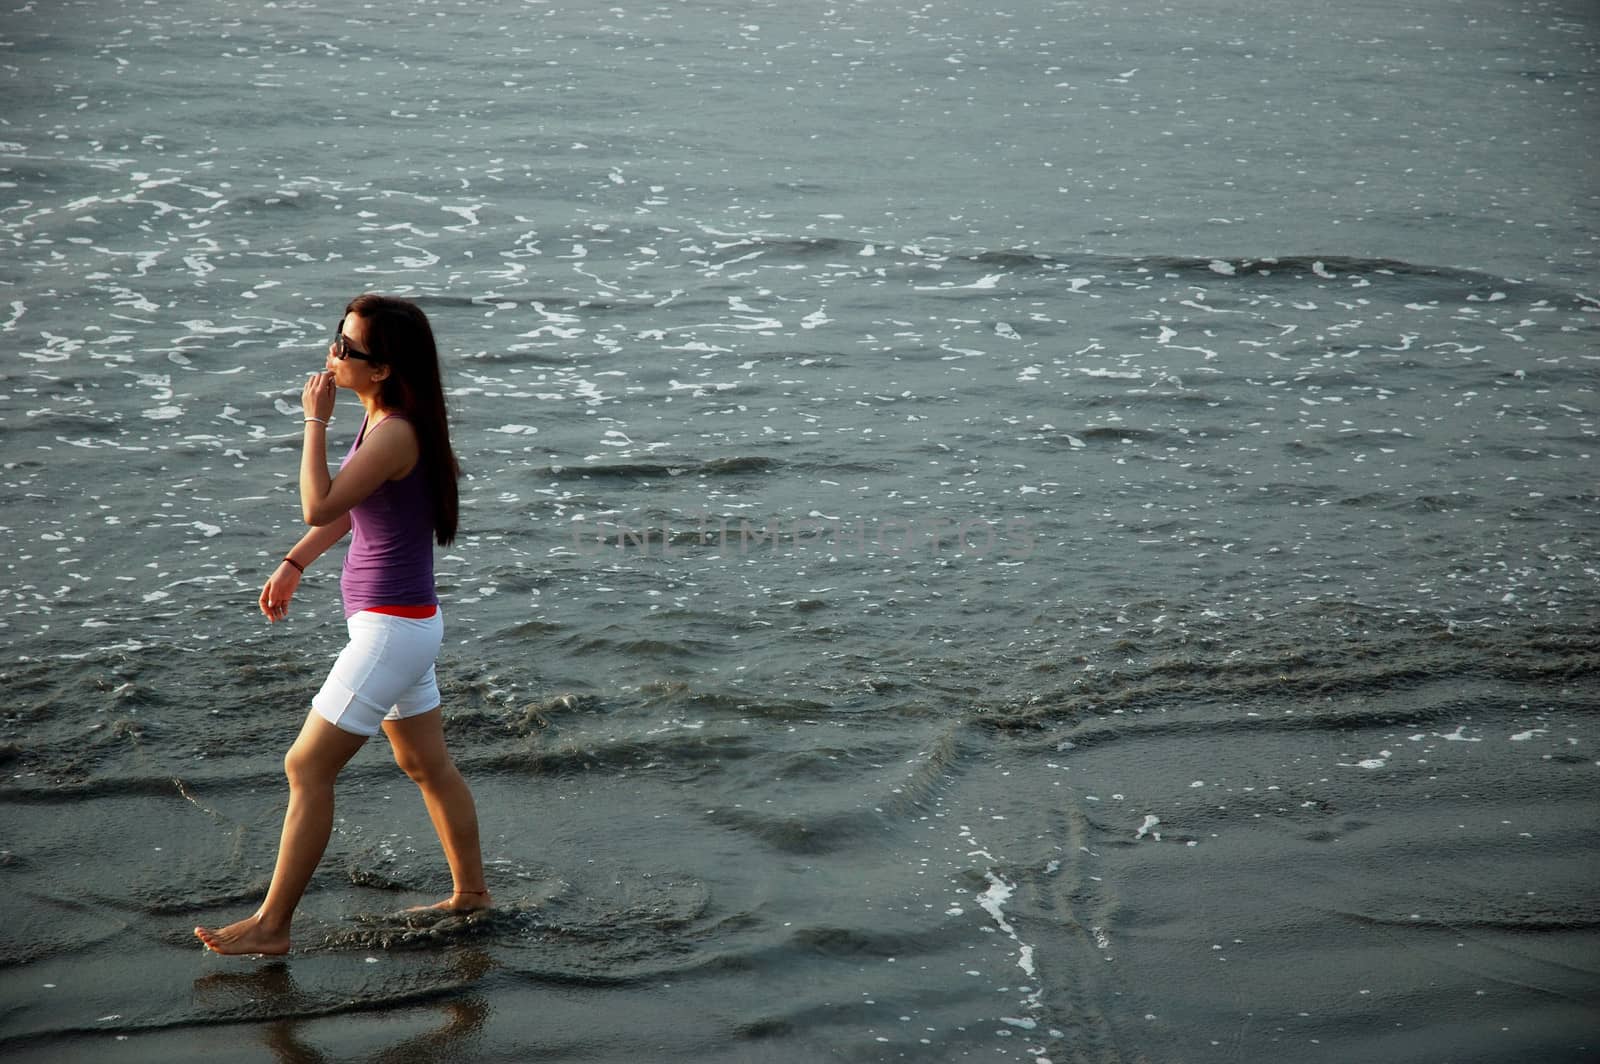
398,334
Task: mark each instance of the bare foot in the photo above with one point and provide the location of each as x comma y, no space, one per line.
462,901
246,936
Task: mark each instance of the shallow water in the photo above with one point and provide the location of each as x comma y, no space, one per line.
1052,533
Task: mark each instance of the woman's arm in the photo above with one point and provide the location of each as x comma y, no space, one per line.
316,542
382,456
285,579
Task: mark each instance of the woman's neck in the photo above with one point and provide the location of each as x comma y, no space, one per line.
374,406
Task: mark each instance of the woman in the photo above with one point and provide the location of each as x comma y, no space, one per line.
397,490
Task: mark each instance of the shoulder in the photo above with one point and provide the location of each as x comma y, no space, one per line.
393,443
394,428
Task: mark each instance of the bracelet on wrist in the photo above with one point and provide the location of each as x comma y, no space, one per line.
296,564
319,420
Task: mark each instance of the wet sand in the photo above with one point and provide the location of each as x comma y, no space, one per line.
1147,885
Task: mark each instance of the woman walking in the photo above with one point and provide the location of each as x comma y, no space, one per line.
396,490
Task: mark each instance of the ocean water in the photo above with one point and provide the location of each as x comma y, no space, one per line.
1049,531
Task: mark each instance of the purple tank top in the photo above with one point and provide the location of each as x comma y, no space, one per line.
390,561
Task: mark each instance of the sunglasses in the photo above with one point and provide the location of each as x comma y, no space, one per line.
343,348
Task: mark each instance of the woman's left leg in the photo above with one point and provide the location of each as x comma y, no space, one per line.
312,764
420,752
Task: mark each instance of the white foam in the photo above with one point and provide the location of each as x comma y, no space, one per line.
423,257
699,345
203,327
987,281
700,389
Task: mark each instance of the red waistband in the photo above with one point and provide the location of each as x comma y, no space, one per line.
416,613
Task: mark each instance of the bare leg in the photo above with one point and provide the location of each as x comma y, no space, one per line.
419,749
311,764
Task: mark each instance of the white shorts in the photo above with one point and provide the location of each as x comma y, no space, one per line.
384,673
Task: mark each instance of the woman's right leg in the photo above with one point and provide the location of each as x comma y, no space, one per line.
311,764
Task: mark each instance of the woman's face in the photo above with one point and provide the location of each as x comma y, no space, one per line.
353,372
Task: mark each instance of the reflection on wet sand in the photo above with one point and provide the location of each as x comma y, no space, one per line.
282,1010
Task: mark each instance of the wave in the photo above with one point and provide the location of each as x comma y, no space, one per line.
1242,269
1478,283
807,836
1216,266
1334,654
1538,924
1086,272
736,465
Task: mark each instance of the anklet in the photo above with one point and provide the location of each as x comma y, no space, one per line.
472,892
